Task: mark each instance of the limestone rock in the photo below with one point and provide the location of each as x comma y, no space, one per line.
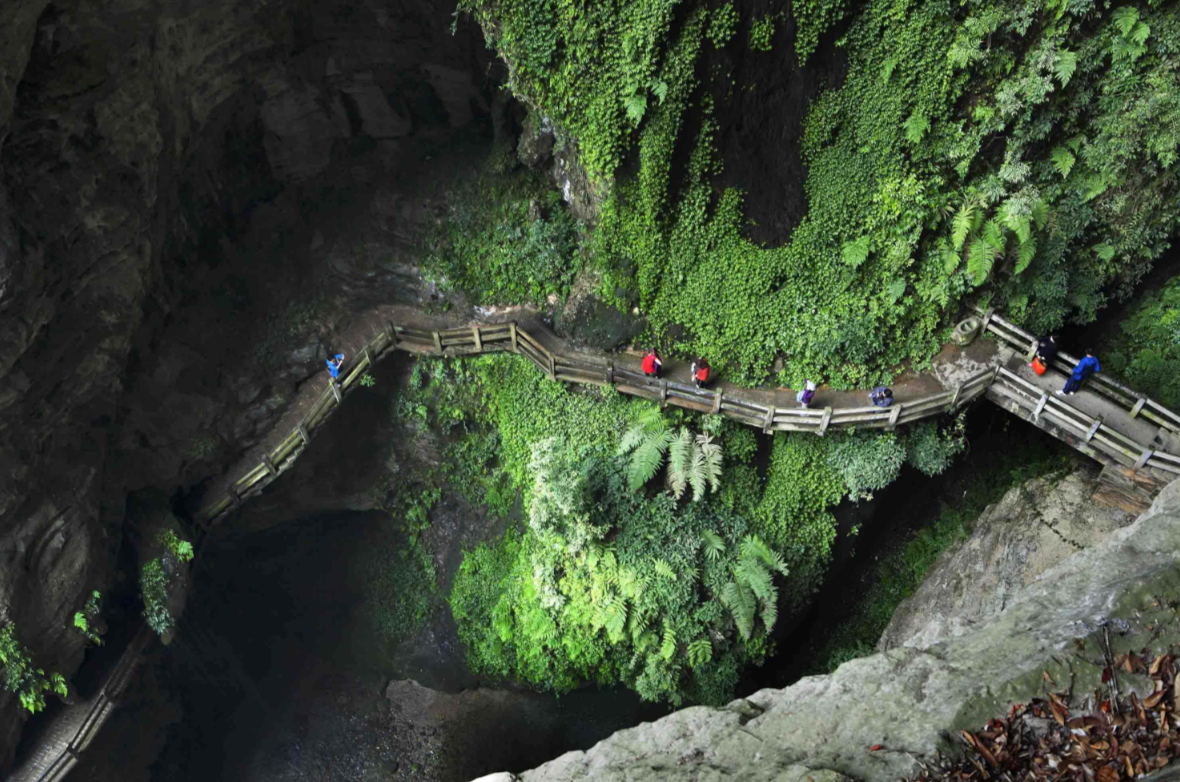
587,321
1034,527
910,700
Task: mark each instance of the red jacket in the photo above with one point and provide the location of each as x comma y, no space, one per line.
702,373
649,363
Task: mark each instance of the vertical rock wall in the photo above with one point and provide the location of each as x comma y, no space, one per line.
169,171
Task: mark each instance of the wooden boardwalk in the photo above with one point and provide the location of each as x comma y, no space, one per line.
1107,421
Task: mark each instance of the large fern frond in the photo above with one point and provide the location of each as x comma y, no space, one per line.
668,645
714,545
664,570
770,612
962,223
753,573
648,457
680,455
753,546
700,652
711,466
742,605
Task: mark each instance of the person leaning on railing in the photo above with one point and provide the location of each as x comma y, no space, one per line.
701,372
652,363
1086,367
881,396
334,365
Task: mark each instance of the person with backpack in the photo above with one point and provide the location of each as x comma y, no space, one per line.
334,365
1046,351
1086,367
805,396
881,396
701,372
652,363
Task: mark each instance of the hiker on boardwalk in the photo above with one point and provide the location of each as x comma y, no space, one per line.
881,396
805,396
652,363
1047,349
334,365
701,372
1086,367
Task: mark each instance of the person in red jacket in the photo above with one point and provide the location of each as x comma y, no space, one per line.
701,372
652,363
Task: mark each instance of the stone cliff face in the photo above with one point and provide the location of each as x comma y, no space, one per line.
188,192
910,699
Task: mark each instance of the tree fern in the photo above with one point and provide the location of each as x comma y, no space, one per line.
752,573
647,458
1067,63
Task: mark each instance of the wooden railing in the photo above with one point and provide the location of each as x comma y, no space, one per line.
1136,404
1091,431
581,369
100,709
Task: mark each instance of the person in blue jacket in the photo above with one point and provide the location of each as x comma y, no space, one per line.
334,364
881,396
1086,367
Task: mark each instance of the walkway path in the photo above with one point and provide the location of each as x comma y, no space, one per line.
1107,421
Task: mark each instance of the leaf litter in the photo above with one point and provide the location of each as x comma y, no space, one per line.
1053,740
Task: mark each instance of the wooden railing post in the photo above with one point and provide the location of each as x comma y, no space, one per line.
478,341
1040,406
437,341
610,373
955,399
303,433
717,401
512,333
552,367
663,393
987,317
335,391
823,423
391,332
893,416
269,464
1138,406
1094,428
769,422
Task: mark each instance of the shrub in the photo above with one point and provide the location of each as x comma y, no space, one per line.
930,449
84,619
30,684
761,33
1146,354
867,462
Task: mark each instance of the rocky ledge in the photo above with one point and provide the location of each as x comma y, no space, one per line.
912,700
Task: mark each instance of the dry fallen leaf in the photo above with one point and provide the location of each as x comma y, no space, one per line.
1107,774
1151,701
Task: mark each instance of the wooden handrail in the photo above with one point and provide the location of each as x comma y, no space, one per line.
1102,382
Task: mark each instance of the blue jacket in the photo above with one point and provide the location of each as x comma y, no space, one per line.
877,397
333,367
1086,367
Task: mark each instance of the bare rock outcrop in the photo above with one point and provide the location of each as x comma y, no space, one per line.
1032,528
909,700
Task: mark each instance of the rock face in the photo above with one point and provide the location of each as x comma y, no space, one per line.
190,195
910,700
1034,527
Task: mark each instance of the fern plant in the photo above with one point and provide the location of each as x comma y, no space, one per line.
752,593
693,460
1008,232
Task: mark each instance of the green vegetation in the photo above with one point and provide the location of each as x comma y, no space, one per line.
901,570
507,239
1023,150
1146,354
761,31
612,578
85,619
153,586
156,580
30,684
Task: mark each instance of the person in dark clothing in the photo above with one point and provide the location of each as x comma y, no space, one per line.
334,365
881,396
1047,349
652,363
701,372
1086,367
